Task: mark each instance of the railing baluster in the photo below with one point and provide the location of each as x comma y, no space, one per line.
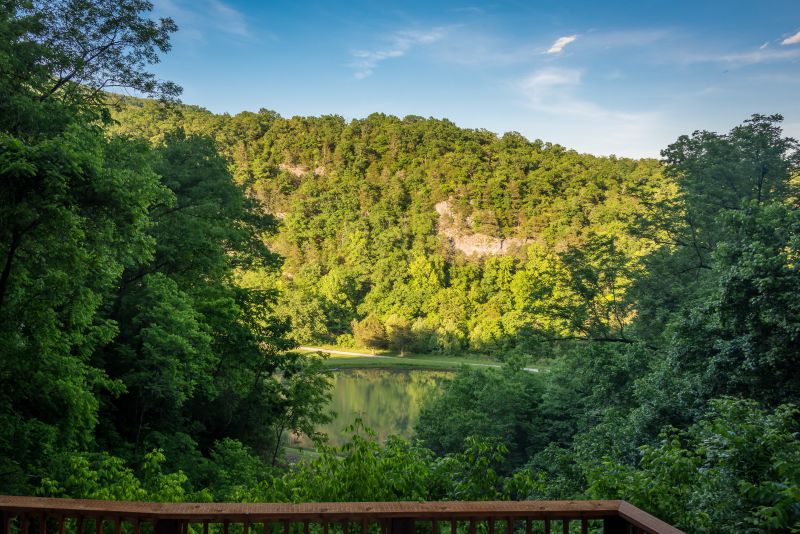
137,526
364,525
162,526
584,526
490,522
305,526
117,525
205,527
5,528
98,525
547,526
565,525
453,526
472,526
324,526
402,525
286,526
79,525
614,525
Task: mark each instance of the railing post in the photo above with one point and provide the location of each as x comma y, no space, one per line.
167,526
403,526
5,528
615,525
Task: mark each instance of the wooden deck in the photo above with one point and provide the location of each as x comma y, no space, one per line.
26,515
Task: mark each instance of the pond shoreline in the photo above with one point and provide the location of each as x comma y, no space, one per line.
348,359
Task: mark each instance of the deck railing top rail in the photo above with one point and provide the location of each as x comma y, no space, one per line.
252,513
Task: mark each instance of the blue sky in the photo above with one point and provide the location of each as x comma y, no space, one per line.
606,77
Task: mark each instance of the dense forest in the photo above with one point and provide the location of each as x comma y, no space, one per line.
414,234
159,262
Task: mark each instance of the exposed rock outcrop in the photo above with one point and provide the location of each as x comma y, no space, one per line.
299,170
463,239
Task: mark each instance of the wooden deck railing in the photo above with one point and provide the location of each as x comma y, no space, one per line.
33,515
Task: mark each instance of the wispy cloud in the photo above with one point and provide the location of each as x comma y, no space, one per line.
558,46
467,45
400,43
540,84
794,39
230,19
555,92
198,18
747,57
766,53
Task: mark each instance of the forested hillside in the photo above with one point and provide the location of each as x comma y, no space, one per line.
415,234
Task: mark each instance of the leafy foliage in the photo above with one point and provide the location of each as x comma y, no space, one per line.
123,329
728,472
378,217
504,406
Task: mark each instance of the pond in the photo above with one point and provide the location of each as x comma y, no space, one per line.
387,401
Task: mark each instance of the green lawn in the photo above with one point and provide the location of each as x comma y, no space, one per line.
389,360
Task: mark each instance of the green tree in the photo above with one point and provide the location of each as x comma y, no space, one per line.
716,175
75,214
98,45
501,405
370,333
734,470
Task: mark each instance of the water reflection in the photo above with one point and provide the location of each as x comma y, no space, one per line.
388,401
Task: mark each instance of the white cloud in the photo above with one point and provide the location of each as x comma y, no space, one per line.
554,93
540,83
198,18
400,43
467,45
794,39
560,43
229,19
751,57
764,46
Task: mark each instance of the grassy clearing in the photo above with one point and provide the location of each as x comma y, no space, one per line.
389,360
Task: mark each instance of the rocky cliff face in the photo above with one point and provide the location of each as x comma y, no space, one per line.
463,239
